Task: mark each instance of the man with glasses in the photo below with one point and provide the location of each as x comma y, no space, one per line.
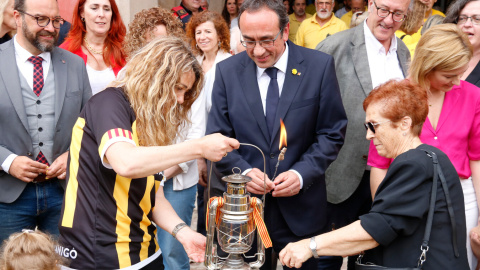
43,89
276,79
365,57
315,29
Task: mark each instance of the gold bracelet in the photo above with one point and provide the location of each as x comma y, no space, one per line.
177,228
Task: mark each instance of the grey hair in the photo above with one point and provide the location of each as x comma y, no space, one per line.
274,5
454,10
19,5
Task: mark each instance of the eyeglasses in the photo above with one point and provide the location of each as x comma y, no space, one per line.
43,21
383,13
462,19
264,43
371,126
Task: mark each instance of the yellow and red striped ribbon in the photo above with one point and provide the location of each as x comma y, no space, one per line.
257,218
262,229
220,205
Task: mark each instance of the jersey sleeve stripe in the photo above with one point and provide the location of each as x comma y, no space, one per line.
72,187
111,136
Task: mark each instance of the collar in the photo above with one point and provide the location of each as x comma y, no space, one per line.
372,42
23,54
281,64
314,19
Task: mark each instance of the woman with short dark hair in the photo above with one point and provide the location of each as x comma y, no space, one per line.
392,232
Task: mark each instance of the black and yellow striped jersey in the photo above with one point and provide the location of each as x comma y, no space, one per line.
106,220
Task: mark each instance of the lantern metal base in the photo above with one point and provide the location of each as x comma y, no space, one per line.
235,262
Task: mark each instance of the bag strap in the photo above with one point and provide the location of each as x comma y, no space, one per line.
433,198
437,173
451,213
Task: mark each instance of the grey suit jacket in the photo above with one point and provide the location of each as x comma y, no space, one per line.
72,90
353,73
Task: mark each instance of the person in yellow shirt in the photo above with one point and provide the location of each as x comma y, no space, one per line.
315,29
297,17
356,6
412,40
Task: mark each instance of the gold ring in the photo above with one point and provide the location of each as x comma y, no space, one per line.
225,155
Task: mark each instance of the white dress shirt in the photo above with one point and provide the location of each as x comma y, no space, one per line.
26,69
264,80
384,66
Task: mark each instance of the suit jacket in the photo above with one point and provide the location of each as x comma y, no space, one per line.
311,108
72,90
353,72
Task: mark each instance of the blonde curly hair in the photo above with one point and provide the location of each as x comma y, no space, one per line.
33,250
149,83
145,22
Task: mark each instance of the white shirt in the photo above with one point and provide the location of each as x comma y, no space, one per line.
26,69
99,79
264,80
383,65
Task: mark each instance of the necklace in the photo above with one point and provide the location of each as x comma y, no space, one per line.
90,47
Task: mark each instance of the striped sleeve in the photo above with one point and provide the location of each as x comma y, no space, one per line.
110,117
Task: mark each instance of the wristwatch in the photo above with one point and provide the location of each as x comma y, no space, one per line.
313,247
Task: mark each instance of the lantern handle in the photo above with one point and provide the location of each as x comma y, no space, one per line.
264,174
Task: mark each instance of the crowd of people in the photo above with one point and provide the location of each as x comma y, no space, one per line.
107,137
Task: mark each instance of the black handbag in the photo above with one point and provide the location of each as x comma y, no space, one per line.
437,173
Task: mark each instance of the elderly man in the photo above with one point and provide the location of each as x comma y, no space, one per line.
312,31
273,80
186,10
297,17
357,6
43,90
365,56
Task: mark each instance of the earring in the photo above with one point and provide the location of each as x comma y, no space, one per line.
82,19
196,45
219,44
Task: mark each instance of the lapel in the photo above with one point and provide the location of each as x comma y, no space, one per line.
11,79
248,76
290,85
360,59
403,55
449,104
60,68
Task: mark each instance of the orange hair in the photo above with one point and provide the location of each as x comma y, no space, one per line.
113,54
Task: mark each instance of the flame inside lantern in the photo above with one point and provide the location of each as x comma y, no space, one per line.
283,136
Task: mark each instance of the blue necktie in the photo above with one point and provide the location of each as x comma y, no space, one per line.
272,98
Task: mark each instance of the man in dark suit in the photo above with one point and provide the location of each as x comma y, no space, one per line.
43,90
274,80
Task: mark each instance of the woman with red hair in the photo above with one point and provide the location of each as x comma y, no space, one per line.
97,35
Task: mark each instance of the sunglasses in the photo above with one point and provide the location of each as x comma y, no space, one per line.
371,126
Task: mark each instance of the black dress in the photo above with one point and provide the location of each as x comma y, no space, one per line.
474,76
399,214
5,38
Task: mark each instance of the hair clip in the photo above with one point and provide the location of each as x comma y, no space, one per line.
27,231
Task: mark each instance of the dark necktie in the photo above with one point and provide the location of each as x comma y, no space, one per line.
37,74
37,89
272,98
